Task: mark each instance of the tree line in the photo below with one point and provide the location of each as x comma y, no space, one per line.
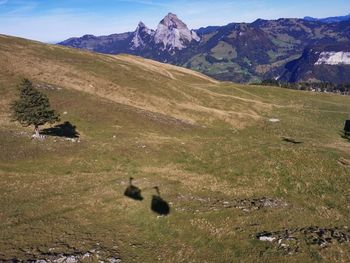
343,89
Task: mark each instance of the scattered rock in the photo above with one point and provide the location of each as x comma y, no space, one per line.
87,255
246,205
114,260
266,236
67,259
38,137
93,255
291,240
259,203
72,139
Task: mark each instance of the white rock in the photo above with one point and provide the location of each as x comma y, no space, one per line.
114,260
333,58
266,238
274,120
87,255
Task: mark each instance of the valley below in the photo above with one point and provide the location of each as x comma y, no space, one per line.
249,173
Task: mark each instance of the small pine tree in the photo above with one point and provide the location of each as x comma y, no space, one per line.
32,107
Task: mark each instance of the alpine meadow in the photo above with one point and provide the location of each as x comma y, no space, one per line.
114,157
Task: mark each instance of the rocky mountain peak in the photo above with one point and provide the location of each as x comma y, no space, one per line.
172,21
141,25
172,33
141,36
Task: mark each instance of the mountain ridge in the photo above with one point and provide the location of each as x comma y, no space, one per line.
332,19
239,52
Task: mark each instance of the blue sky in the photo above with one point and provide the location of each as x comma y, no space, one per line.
55,20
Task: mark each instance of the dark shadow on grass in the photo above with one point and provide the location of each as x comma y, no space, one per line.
133,191
65,129
290,140
159,205
345,134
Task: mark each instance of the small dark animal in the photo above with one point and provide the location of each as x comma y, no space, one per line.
133,191
290,140
159,205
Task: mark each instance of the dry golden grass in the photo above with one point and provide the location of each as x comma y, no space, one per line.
166,69
166,95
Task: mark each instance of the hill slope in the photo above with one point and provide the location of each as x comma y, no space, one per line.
226,170
129,80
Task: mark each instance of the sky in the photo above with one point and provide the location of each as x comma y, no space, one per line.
56,20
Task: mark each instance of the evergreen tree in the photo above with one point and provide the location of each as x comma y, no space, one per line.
32,107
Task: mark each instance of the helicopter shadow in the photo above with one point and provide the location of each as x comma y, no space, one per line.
158,204
133,191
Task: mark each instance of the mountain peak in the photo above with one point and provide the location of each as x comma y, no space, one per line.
172,33
141,25
171,15
141,36
171,20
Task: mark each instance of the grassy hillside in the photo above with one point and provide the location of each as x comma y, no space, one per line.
208,146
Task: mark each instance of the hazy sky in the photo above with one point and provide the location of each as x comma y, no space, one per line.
55,20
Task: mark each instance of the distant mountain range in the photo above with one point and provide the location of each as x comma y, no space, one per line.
240,52
333,19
